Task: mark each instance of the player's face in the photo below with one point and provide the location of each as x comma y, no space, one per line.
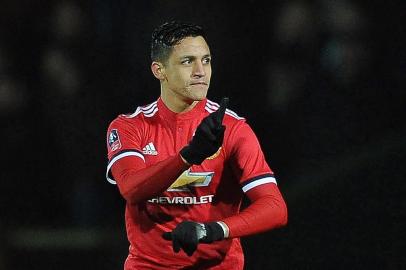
188,70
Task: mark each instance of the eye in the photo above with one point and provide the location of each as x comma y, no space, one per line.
206,60
186,62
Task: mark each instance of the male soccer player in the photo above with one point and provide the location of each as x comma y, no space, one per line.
183,164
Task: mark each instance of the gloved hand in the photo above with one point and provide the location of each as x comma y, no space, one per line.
208,137
188,234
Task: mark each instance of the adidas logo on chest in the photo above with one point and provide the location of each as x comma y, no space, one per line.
149,149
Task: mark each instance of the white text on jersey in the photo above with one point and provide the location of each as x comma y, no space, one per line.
182,200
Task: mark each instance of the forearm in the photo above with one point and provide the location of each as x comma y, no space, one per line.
138,184
267,211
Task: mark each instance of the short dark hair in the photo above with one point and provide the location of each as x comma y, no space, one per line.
169,34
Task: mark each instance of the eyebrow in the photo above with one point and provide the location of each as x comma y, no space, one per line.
194,57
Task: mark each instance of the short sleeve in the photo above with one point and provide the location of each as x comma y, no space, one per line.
247,158
123,140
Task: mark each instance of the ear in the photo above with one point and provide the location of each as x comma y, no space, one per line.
158,70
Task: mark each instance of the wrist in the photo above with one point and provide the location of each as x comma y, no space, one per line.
214,232
184,160
191,156
225,228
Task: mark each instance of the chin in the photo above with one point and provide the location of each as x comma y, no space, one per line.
200,97
197,95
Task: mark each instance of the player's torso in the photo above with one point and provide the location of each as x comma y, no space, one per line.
196,189
203,193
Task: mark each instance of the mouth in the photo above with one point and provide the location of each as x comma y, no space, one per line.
198,83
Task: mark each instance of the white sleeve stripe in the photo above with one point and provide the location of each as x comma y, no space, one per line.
208,109
212,103
149,110
125,154
258,183
147,107
150,114
137,111
211,106
144,109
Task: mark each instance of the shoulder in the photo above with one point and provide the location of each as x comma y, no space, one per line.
148,111
237,127
138,116
230,117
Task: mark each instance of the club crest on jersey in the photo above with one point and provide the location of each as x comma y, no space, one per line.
114,140
191,179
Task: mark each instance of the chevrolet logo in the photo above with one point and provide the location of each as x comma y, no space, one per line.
188,178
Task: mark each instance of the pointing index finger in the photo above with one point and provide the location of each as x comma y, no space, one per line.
221,111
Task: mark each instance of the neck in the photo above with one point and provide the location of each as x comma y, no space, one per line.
175,103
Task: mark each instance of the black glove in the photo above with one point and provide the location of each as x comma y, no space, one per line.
208,137
188,234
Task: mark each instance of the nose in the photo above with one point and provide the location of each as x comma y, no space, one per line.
198,70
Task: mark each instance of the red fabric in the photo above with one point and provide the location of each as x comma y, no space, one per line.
138,183
232,260
266,211
245,153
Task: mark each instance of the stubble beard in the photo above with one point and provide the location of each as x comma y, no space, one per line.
196,93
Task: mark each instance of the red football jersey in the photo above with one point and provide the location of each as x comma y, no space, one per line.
208,192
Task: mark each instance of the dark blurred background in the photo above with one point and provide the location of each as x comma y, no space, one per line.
321,82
